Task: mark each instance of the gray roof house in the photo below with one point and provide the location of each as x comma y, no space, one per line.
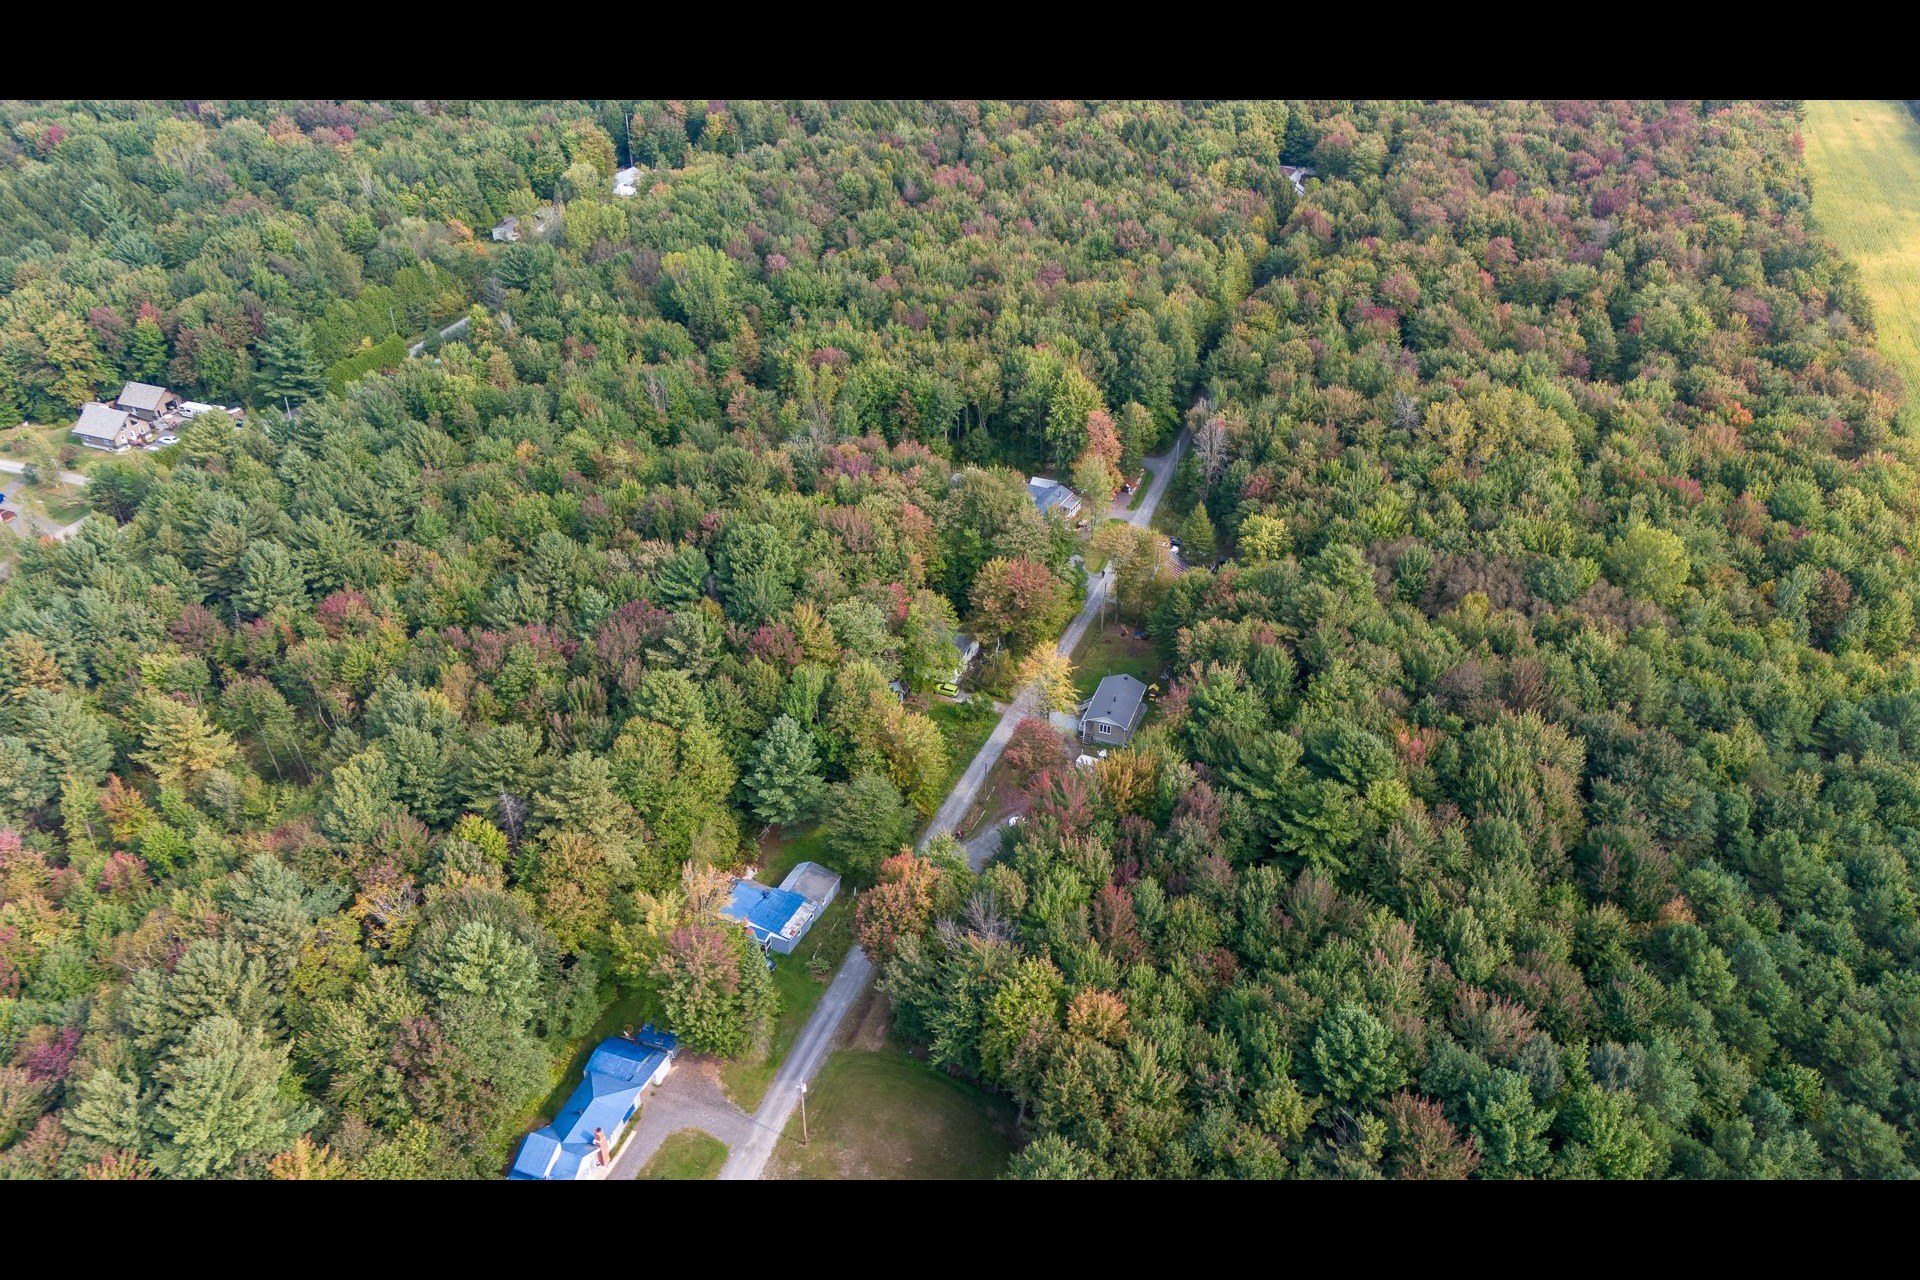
146,401
101,426
1051,495
627,182
968,648
1113,713
510,229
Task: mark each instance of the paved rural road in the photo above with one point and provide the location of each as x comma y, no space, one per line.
1162,476
458,326
748,1160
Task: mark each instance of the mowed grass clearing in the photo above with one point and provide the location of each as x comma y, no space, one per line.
885,1114
780,853
1111,651
965,726
1865,161
687,1156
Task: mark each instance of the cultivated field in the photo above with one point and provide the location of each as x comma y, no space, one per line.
1865,162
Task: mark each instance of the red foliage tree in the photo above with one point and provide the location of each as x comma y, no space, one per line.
1063,796
900,906
1034,746
1422,1143
1015,598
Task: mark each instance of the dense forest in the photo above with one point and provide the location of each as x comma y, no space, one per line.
1533,796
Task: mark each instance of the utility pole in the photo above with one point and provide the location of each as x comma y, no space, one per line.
803,1113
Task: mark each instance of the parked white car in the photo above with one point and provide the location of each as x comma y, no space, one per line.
169,438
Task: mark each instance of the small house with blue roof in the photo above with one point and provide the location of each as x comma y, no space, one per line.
779,918
606,1102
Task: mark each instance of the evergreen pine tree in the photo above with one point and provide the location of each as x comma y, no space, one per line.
1196,537
288,368
784,779
221,1099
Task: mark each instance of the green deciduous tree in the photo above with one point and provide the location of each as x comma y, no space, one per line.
715,987
1649,562
866,822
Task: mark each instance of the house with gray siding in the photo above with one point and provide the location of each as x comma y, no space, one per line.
1114,712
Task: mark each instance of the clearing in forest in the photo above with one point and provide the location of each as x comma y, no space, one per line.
1865,161
876,1111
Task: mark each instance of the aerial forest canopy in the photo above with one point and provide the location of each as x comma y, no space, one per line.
1533,794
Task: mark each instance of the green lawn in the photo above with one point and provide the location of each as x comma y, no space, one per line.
1109,652
64,504
746,1079
779,856
686,1156
965,725
884,1114
1865,161
632,1009
21,443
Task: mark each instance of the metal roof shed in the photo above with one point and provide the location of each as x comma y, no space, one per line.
779,918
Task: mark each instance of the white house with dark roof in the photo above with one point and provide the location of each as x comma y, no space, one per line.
967,647
1114,712
145,401
102,426
1051,495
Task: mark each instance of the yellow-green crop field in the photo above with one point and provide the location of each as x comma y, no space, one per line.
1865,162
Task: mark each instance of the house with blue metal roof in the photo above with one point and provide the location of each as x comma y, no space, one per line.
779,918
596,1116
